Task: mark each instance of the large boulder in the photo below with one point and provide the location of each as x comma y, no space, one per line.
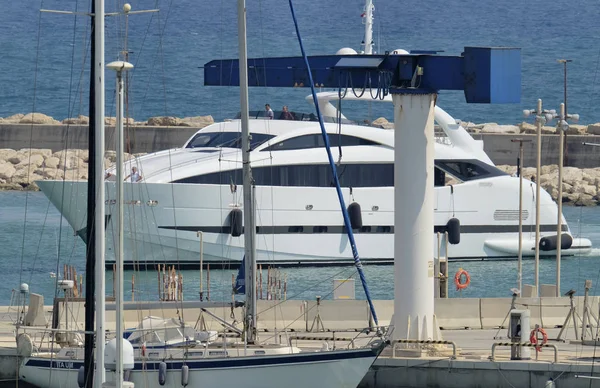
70,159
549,169
499,129
164,121
547,130
25,177
383,123
34,160
577,129
7,170
592,129
469,126
197,121
5,186
580,199
6,153
14,119
38,118
17,158
45,152
583,188
50,173
79,120
572,175
76,175
526,127
51,162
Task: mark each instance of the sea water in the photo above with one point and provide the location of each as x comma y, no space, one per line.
44,67
36,242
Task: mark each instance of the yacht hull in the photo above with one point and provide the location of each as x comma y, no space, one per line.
303,225
344,368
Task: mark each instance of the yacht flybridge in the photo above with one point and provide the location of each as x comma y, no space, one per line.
193,195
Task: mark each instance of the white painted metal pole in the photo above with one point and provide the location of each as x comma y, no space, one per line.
538,168
368,38
413,219
201,235
249,224
559,199
520,251
99,221
119,253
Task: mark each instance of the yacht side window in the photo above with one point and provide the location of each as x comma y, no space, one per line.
295,143
316,140
467,170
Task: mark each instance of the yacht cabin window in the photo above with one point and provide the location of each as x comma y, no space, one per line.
350,175
225,139
316,141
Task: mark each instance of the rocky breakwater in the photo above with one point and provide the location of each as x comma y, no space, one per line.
158,121
495,128
20,169
581,187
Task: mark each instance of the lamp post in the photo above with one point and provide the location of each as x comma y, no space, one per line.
520,253
541,117
119,67
564,62
562,128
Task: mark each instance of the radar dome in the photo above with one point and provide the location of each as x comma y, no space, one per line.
400,52
346,51
110,355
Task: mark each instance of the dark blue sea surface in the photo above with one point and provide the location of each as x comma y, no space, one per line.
44,62
36,243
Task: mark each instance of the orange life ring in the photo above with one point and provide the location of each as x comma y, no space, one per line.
458,279
534,339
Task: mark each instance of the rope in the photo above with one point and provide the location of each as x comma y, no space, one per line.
357,261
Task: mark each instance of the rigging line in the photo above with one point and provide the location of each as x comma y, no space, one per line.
339,120
357,261
37,58
152,67
595,77
140,51
162,53
262,46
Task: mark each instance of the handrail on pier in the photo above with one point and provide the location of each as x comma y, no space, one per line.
524,344
318,338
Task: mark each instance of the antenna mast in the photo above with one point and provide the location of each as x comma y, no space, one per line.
367,42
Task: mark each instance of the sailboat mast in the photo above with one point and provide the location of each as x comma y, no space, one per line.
249,225
90,258
119,67
368,38
99,221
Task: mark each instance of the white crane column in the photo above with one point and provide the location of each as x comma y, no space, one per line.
413,222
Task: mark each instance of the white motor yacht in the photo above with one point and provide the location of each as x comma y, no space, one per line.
192,196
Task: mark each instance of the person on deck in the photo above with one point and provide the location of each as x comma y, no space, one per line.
286,114
268,112
135,175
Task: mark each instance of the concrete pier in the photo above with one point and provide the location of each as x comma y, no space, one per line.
474,325
474,369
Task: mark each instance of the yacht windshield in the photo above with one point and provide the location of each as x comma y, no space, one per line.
295,116
225,139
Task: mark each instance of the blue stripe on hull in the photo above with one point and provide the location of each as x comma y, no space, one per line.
232,362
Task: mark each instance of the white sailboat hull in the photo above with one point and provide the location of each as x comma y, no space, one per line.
163,220
319,369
